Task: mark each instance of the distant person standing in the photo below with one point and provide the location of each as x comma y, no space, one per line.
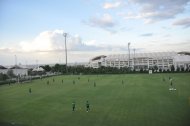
73,82
163,79
30,90
171,83
87,106
94,84
73,106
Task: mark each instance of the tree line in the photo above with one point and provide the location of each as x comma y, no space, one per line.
80,69
75,70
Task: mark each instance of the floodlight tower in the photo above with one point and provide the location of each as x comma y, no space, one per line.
65,35
15,60
16,68
129,55
37,65
134,58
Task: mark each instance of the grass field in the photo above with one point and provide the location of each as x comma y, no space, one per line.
143,100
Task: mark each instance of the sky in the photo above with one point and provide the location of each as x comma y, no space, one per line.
32,30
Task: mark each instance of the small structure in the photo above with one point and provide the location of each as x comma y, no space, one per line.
19,71
38,69
150,71
3,69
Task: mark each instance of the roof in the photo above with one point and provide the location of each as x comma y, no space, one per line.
38,69
98,57
16,67
141,55
184,52
2,67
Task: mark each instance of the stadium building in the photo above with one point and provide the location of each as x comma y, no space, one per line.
158,60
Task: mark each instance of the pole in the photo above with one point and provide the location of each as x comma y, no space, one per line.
15,60
129,55
37,66
134,59
16,69
65,35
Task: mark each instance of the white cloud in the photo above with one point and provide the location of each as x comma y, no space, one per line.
183,22
155,10
54,41
91,42
105,22
48,47
147,34
109,5
49,41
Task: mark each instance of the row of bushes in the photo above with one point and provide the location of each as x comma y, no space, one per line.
25,79
7,82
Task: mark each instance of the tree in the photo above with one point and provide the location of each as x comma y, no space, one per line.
155,68
160,70
172,68
182,69
3,77
57,67
187,68
47,68
29,71
10,73
178,69
141,70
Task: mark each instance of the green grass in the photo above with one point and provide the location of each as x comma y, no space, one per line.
143,100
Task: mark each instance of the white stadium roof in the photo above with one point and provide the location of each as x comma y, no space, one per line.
138,55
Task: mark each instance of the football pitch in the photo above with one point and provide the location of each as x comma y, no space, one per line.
115,100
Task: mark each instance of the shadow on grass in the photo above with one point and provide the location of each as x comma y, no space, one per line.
10,124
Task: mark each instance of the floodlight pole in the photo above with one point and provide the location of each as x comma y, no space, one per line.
15,60
65,35
129,55
134,58
16,68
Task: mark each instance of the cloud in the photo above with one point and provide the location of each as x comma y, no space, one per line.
176,46
166,35
105,22
156,10
48,47
109,5
54,41
147,34
183,22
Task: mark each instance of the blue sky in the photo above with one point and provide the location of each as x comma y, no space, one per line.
32,29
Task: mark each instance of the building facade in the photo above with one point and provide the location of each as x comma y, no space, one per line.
156,60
